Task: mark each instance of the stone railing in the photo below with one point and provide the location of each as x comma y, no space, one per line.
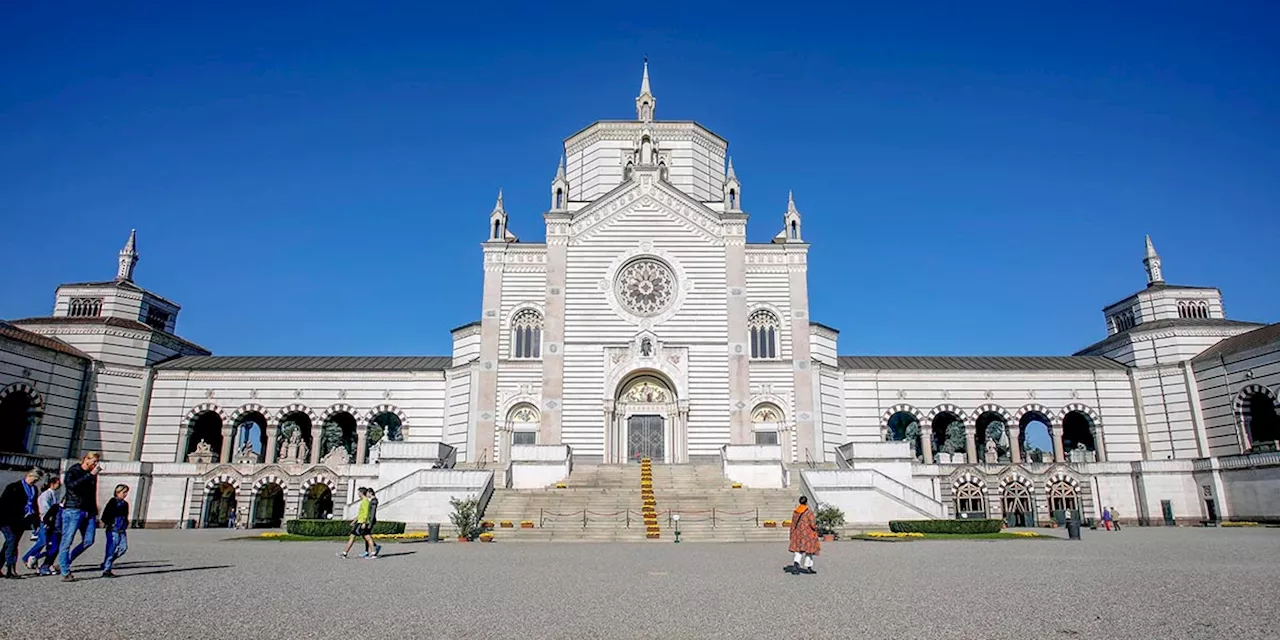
754,465
446,456
534,466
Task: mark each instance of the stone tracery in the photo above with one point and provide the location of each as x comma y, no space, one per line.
645,287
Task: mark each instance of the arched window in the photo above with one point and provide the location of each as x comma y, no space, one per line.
1203,309
559,198
764,334
1123,321
662,172
526,335
1183,311
523,422
496,226
85,308
626,171
795,230
733,199
766,421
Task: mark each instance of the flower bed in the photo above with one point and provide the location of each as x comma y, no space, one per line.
486,537
890,534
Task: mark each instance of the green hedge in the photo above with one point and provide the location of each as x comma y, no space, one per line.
945,526
331,528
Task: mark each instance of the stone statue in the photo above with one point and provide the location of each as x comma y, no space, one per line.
293,449
993,452
202,454
646,348
246,454
338,455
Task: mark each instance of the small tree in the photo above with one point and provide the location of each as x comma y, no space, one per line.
330,438
955,442
466,517
913,435
828,518
287,429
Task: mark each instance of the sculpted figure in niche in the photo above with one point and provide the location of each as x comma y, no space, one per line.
646,348
993,453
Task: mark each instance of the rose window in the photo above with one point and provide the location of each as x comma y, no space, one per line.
645,287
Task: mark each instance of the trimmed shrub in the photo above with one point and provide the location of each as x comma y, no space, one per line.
337,528
945,526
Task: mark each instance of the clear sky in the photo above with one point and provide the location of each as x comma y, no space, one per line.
975,178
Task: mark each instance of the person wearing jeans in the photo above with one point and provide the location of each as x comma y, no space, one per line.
17,512
80,511
115,520
46,545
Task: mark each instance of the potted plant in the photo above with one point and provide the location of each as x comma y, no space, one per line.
466,518
828,518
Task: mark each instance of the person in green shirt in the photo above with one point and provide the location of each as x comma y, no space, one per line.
363,527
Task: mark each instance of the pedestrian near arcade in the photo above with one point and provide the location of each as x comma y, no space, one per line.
17,513
79,511
115,521
50,530
804,539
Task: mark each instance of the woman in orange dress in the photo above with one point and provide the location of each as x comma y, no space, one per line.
804,538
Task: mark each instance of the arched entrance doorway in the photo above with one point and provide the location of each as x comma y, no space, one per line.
970,500
19,411
268,507
646,421
520,427
1064,498
1017,503
317,502
219,505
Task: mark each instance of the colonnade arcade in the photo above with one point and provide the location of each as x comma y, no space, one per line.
1021,500
292,434
992,435
265,499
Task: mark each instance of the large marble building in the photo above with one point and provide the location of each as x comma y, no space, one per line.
646,325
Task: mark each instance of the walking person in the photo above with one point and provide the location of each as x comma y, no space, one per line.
373,520
46,546
79,511
360,528
1115,518
804,539
115,520
17,512
1106,518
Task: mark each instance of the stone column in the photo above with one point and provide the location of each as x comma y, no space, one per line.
317,437
801,357
1099,446
682,446
1015,449
362,440
228,443
490,328
970,444
269,455
550,424
739,333
1056,433
926,446
609,436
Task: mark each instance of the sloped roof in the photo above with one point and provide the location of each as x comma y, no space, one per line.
109,321
1156,325
30,337
981,363
308,363
1269,334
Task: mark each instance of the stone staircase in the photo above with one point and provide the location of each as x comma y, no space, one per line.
609,498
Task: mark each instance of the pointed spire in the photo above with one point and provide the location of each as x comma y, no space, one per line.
128,258
498,206
560,168
1152,263
791,203
731,175
645,102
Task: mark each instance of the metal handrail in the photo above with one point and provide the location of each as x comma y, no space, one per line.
808,459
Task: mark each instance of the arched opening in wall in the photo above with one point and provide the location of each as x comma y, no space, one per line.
317,502
795,230
1262,425
733,199
645,407
947,431
18,413
626,170
295,439
1019,508
268,507
339,432
1063,498
1034,441
206,428
904,426
662,172
559,198
251,435
991,428
764,328
384,426
970,503
523,421
219,505
766,423
1077,436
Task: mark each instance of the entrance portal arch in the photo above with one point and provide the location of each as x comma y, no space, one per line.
646,419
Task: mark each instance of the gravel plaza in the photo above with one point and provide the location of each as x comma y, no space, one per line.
1140,583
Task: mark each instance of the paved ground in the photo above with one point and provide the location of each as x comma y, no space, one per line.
1140,583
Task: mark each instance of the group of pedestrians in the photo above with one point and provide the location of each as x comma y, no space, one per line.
362,527
1110,518
58,521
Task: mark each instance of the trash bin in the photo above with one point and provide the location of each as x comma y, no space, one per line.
1073,529
433,532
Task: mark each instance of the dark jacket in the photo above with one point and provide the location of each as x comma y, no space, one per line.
82,490
13,507
115,516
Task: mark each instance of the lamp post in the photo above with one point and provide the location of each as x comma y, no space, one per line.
676,517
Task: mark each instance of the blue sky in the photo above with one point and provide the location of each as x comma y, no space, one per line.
975,178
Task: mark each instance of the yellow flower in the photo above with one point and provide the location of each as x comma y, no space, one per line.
273,534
